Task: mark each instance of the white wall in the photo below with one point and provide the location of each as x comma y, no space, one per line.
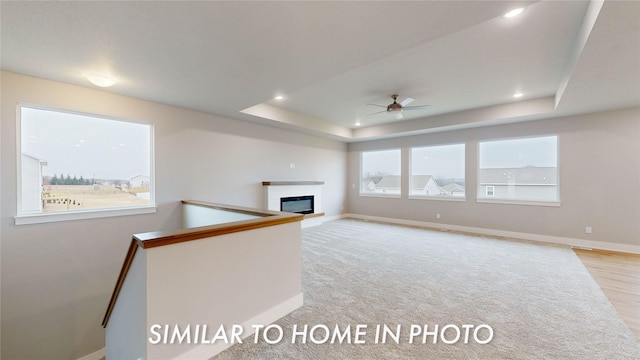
599,160
242,277
196,216
57,277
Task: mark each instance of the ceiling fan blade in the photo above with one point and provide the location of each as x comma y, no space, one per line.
407,101
419,107
379,112
399,116
384,106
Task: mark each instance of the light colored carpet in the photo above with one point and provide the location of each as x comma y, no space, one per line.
539,300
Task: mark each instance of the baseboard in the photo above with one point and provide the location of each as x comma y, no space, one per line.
100,354
315,221
581,243
335,217
207,351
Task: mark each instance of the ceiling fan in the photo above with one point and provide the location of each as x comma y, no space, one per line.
398,107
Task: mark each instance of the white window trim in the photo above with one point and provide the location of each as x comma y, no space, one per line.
519,202
438,198
27,219
381,195
39,218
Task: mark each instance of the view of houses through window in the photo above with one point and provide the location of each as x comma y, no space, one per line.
437,171
380,172
519,169
522,169
76,162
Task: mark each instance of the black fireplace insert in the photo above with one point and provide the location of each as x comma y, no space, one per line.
297,204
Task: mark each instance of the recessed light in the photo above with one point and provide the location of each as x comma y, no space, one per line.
279,97
513,13
101,80
358,123
518,95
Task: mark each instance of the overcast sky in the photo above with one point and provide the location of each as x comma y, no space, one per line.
449,160
515,153
445,161
85,146
386,162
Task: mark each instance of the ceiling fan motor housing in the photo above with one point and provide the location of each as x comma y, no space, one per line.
394,107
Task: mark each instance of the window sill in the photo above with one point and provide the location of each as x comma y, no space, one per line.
520,202
26,219
438,198
381,195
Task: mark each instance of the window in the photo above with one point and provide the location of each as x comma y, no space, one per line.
438,172
380,173
490,190
523,170
75,163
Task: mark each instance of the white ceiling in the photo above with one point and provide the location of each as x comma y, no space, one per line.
331,59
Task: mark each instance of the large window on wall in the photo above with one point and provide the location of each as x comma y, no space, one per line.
380,173
72,163
437,172
519,170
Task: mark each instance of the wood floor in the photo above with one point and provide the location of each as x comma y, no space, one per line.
618,274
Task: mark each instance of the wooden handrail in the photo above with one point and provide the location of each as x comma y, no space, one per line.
133,246
162,238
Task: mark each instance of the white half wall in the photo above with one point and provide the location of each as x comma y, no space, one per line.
241,279
196,216
225,279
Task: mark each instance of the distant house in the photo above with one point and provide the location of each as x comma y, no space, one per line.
31,182
453,189
424,185
526,183
139,185
139,181
368,186
389,184
420,185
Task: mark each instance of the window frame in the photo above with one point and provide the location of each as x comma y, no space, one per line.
494,200
373,194
22,218
432,197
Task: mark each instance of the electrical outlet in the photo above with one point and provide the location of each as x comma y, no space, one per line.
438,216
588,230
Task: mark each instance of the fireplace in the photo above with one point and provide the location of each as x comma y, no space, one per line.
297,204
303,197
